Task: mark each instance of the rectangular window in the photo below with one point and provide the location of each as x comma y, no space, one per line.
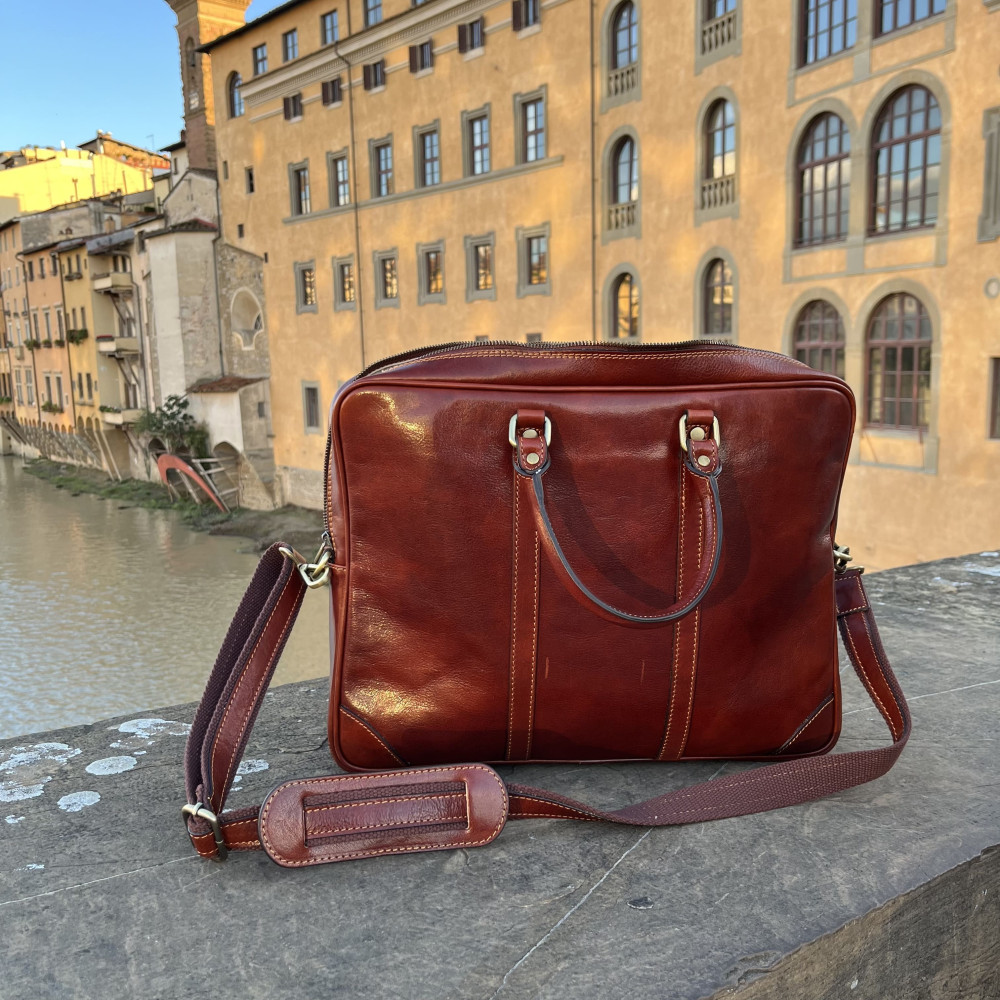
479,281
373,12
896,14
534,275
430,273
310,407
59,322
390,281
538,255
260,59
83,317
421,57
31,270
340,186
383,169
29,385
343,283
484,267
472,36
479,145
433,273
293,107
995,398
430,159
301,204
48,389
249,180
332,91
59,392
239,231
373,74
525,14
305,287
90,387
34,319
79,385
290,45
48,325
225,177
828,27
18,386
41,267
386,278
533,125
329,28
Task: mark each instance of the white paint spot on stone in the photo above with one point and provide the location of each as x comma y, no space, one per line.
146,729
854,985
990,555
12,819
22,769
985,570
76,801
252,766
138,753
111,765
32,868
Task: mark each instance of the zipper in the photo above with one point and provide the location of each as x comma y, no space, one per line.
600,347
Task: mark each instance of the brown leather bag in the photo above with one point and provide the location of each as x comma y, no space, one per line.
558,553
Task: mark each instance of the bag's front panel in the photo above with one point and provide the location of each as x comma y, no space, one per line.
461,643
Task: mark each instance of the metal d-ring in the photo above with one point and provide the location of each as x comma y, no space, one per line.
512,431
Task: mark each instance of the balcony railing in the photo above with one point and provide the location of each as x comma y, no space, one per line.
718,33
717,192
124,416
114,281
621,216
624,80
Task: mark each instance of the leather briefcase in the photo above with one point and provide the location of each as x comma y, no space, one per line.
558,553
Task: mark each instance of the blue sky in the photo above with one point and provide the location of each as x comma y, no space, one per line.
100,64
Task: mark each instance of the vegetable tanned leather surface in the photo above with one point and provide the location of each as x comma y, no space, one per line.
457,637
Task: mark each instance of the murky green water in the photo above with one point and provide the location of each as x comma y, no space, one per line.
105,611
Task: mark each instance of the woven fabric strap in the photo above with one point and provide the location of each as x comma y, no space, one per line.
381,814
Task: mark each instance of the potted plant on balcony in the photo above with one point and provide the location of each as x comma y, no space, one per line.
31,344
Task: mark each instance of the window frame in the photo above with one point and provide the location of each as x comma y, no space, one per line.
468,150
302,305
292,107
307,388
615,281
420,132
298,197
716,37
258,59
993,428
843,190
424,295
234,99
523,235
333,24
375,147
702,303
807,335
372,13
844,28
332,92
899,344
473,293
379,258
879,7
333,179
340,302
290,45
716,197
522,133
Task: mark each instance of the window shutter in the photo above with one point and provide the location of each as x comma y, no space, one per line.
337,93
430,54
325,89
414,65
517,15
366,72
287,105
482,32
463,38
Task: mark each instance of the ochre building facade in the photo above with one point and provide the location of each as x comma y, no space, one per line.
816,178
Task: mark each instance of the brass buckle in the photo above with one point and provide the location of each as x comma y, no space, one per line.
512,431
716,434
314,574
200,811
841,557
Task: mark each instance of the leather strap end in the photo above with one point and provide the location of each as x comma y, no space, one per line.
346,817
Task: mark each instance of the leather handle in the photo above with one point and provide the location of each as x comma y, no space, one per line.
701,466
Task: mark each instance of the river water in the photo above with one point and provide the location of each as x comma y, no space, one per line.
107,611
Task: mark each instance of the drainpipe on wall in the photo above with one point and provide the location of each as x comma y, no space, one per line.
215,273
358,295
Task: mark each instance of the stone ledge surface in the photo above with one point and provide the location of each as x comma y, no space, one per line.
888,890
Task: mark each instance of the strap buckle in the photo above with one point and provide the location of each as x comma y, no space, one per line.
841,557
200,811
314,574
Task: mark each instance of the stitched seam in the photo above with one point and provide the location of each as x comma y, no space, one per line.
878,658
677,626
383,802
334,831
368,729
868,684
534,658
580,811
694,639
584,819
576,357
394,850
513,637
243,676
805,725
851,611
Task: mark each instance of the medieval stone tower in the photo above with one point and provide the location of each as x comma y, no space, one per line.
200,21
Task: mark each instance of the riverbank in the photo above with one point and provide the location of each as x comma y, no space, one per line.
297,526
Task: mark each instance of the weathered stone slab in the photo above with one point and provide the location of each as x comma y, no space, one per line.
888,890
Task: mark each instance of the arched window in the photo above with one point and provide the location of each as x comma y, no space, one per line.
898,386
717,299
625,308
824,180
624,36
906,154
625,182
235,97
720,140
819,337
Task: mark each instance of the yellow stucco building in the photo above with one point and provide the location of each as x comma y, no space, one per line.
825,184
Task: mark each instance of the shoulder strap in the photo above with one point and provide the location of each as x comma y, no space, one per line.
340,817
